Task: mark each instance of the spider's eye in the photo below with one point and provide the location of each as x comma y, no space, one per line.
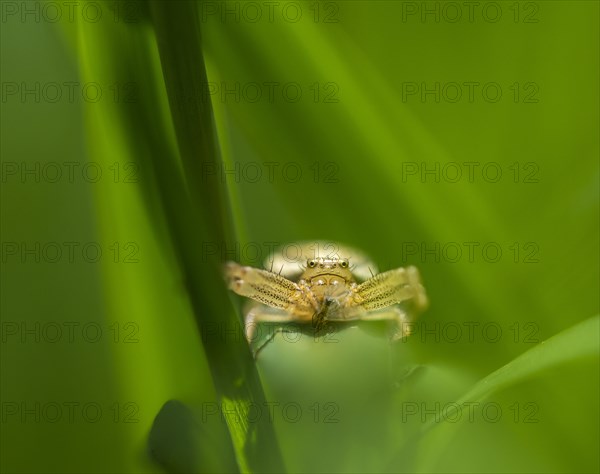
312,263
344,264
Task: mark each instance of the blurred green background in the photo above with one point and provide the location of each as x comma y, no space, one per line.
93,346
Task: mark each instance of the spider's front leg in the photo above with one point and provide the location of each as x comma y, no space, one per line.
379,298
390,288
282,300
255,314
263,286
421,302
402,321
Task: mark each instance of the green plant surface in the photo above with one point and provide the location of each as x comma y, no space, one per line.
512,333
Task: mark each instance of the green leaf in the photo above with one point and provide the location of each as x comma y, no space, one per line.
182,441
576,343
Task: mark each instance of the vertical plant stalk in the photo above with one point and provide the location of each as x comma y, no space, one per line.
206,219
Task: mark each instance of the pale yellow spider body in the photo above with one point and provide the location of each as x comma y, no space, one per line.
326,282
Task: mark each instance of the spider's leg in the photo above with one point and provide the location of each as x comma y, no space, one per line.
421,302
263,286
402,321
270,337
262,314
389,289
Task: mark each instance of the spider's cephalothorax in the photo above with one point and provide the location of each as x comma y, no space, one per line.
320,286
329,280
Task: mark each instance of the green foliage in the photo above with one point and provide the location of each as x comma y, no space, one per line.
356,137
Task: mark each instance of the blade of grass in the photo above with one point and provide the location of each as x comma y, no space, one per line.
575,343
236,379
172,144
